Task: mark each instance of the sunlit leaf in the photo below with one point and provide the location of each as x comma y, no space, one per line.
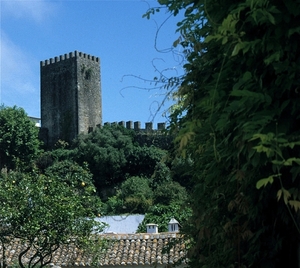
264,182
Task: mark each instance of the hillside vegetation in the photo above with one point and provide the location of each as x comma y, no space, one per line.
128,173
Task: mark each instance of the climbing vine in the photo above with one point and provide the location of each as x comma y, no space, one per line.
238,120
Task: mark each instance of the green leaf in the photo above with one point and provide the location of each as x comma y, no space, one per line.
264,182
209,38
275,57
263,149
188,11
224,40
277,162
279,194
286,195
295,171
295,204
291,144
247,76
236,49
294,30
176,42
248,94
271,18
289,162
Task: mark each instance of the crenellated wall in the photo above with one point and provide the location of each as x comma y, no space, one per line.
137,125
67,56
148,136
70,95
71,101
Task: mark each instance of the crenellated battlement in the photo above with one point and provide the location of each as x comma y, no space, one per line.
67,56
147,136
137,125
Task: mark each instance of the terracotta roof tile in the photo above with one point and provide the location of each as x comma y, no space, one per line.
121,250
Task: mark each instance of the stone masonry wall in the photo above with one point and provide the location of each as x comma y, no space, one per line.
89,94
148,136
70,96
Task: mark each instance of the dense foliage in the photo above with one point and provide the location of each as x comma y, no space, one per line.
48,197
142,160
19,143
105,150
133,196
170,200
130,177
112,155
162,214
237,119
170,192
46,212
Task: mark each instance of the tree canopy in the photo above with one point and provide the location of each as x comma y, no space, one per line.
19,143
112,155
45,212
237,119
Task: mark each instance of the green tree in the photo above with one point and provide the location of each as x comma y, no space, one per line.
169,193
105,151
237,118
45,212
112,155
134,196
19,144
142,160
157,138
181,168
161,174
162,214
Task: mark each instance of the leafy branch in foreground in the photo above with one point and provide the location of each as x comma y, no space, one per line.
45,212
237,119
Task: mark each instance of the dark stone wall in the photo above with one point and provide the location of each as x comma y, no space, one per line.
70,96
89,97
148,136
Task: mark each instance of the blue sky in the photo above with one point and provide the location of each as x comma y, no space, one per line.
36,30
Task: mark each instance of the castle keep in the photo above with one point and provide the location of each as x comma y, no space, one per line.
70,96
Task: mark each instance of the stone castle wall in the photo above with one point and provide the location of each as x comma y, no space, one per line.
70,96
137,125
71,102
148,136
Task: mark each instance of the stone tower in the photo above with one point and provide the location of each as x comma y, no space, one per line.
70,96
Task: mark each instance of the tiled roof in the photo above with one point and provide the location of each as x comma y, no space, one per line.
121,250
